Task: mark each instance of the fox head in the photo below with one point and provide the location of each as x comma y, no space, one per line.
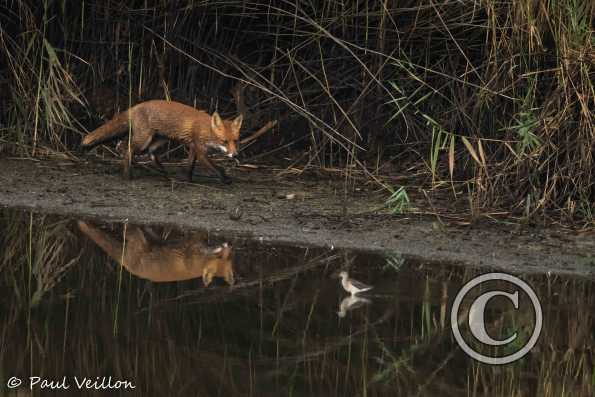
219,265
227,133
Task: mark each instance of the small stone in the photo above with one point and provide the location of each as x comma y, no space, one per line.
236,214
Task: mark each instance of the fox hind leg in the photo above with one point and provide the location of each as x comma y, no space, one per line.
128,162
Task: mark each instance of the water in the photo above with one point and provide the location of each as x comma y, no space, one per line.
273,320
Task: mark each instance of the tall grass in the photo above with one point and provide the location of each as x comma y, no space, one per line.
494,96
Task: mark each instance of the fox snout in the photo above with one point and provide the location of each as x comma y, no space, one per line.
229,149
232,149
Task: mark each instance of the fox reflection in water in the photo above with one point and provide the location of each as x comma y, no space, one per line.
159,260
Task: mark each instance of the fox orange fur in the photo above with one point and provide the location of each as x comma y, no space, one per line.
153,123
162,261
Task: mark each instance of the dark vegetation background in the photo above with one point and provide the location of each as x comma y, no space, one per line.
490,102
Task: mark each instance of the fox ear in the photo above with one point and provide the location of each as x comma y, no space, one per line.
216,121
207,277
225,250
237,122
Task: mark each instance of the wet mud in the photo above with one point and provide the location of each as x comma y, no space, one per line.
278,206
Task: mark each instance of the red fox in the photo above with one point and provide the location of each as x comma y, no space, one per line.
162,261
152,123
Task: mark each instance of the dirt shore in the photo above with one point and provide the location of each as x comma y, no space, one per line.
256,205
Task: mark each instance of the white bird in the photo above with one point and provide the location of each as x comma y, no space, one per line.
352,286
351,302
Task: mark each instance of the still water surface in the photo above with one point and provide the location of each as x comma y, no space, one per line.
118,309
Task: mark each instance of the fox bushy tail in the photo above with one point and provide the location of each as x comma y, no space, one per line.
115,128
109,244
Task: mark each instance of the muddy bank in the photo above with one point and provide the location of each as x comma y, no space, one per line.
256,205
